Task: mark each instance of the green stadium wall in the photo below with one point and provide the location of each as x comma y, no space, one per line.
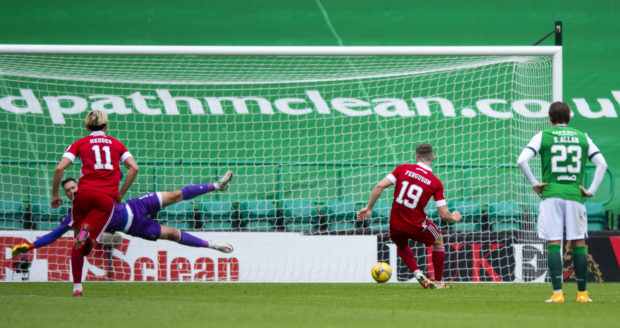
591,50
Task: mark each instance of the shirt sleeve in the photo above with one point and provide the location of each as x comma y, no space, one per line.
66,222
72,152
523,163
392,176
535,144
440,199
599,172
51,237
125,154
592,149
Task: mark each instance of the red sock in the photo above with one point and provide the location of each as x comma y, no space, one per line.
77,263
439,255
85,250
406,254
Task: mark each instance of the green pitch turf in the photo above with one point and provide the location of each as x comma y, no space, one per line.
302,305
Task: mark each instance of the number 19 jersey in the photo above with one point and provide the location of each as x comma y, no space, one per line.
100,155
563,153
414,184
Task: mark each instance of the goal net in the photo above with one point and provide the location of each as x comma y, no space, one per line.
308,132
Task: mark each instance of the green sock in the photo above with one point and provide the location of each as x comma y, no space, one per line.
580,260
554,261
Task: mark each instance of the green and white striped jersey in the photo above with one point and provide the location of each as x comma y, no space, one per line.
563,153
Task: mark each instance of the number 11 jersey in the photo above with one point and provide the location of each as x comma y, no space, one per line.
414,184
100,155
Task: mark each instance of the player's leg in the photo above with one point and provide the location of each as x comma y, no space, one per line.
438,257
188,239
403,250
97,218
144,227
77,265
580,262
576,232
192,191
551,228
95,224
554,262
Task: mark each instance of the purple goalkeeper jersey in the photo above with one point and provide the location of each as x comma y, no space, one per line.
131,217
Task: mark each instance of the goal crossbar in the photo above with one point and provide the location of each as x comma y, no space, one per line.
554,51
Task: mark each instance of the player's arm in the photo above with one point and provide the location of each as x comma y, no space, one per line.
442,207
446,216
365,212
130,163
41,242
595,156
532,148
60,168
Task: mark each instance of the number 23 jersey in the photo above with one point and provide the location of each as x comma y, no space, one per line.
100,155
414,184
563,153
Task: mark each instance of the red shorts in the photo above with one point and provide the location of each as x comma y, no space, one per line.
401,232
92,208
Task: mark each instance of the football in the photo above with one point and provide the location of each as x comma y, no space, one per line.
381,272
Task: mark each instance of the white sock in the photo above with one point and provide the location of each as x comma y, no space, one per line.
216,186
557,291
77,287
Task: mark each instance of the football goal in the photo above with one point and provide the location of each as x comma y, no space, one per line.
308,132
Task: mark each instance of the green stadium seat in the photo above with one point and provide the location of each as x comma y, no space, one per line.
44,216
11,214
300,215
597,217
179,215
9,224
11,209
505,216
380,218
340,216
472,215
216,215
259,215
47,225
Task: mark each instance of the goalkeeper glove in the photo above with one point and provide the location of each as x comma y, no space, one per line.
21,248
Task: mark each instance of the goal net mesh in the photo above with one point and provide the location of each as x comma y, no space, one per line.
307,138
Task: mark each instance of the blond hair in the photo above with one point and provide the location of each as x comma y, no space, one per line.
96,120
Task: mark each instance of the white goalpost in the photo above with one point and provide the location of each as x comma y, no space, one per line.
308,131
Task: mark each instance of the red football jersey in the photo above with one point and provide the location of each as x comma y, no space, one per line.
414,184
100,155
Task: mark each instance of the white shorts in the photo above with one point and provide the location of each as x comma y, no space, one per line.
556,215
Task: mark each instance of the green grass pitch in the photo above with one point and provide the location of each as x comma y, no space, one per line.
302,305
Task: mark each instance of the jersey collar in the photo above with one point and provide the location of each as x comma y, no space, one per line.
97,133
424,166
